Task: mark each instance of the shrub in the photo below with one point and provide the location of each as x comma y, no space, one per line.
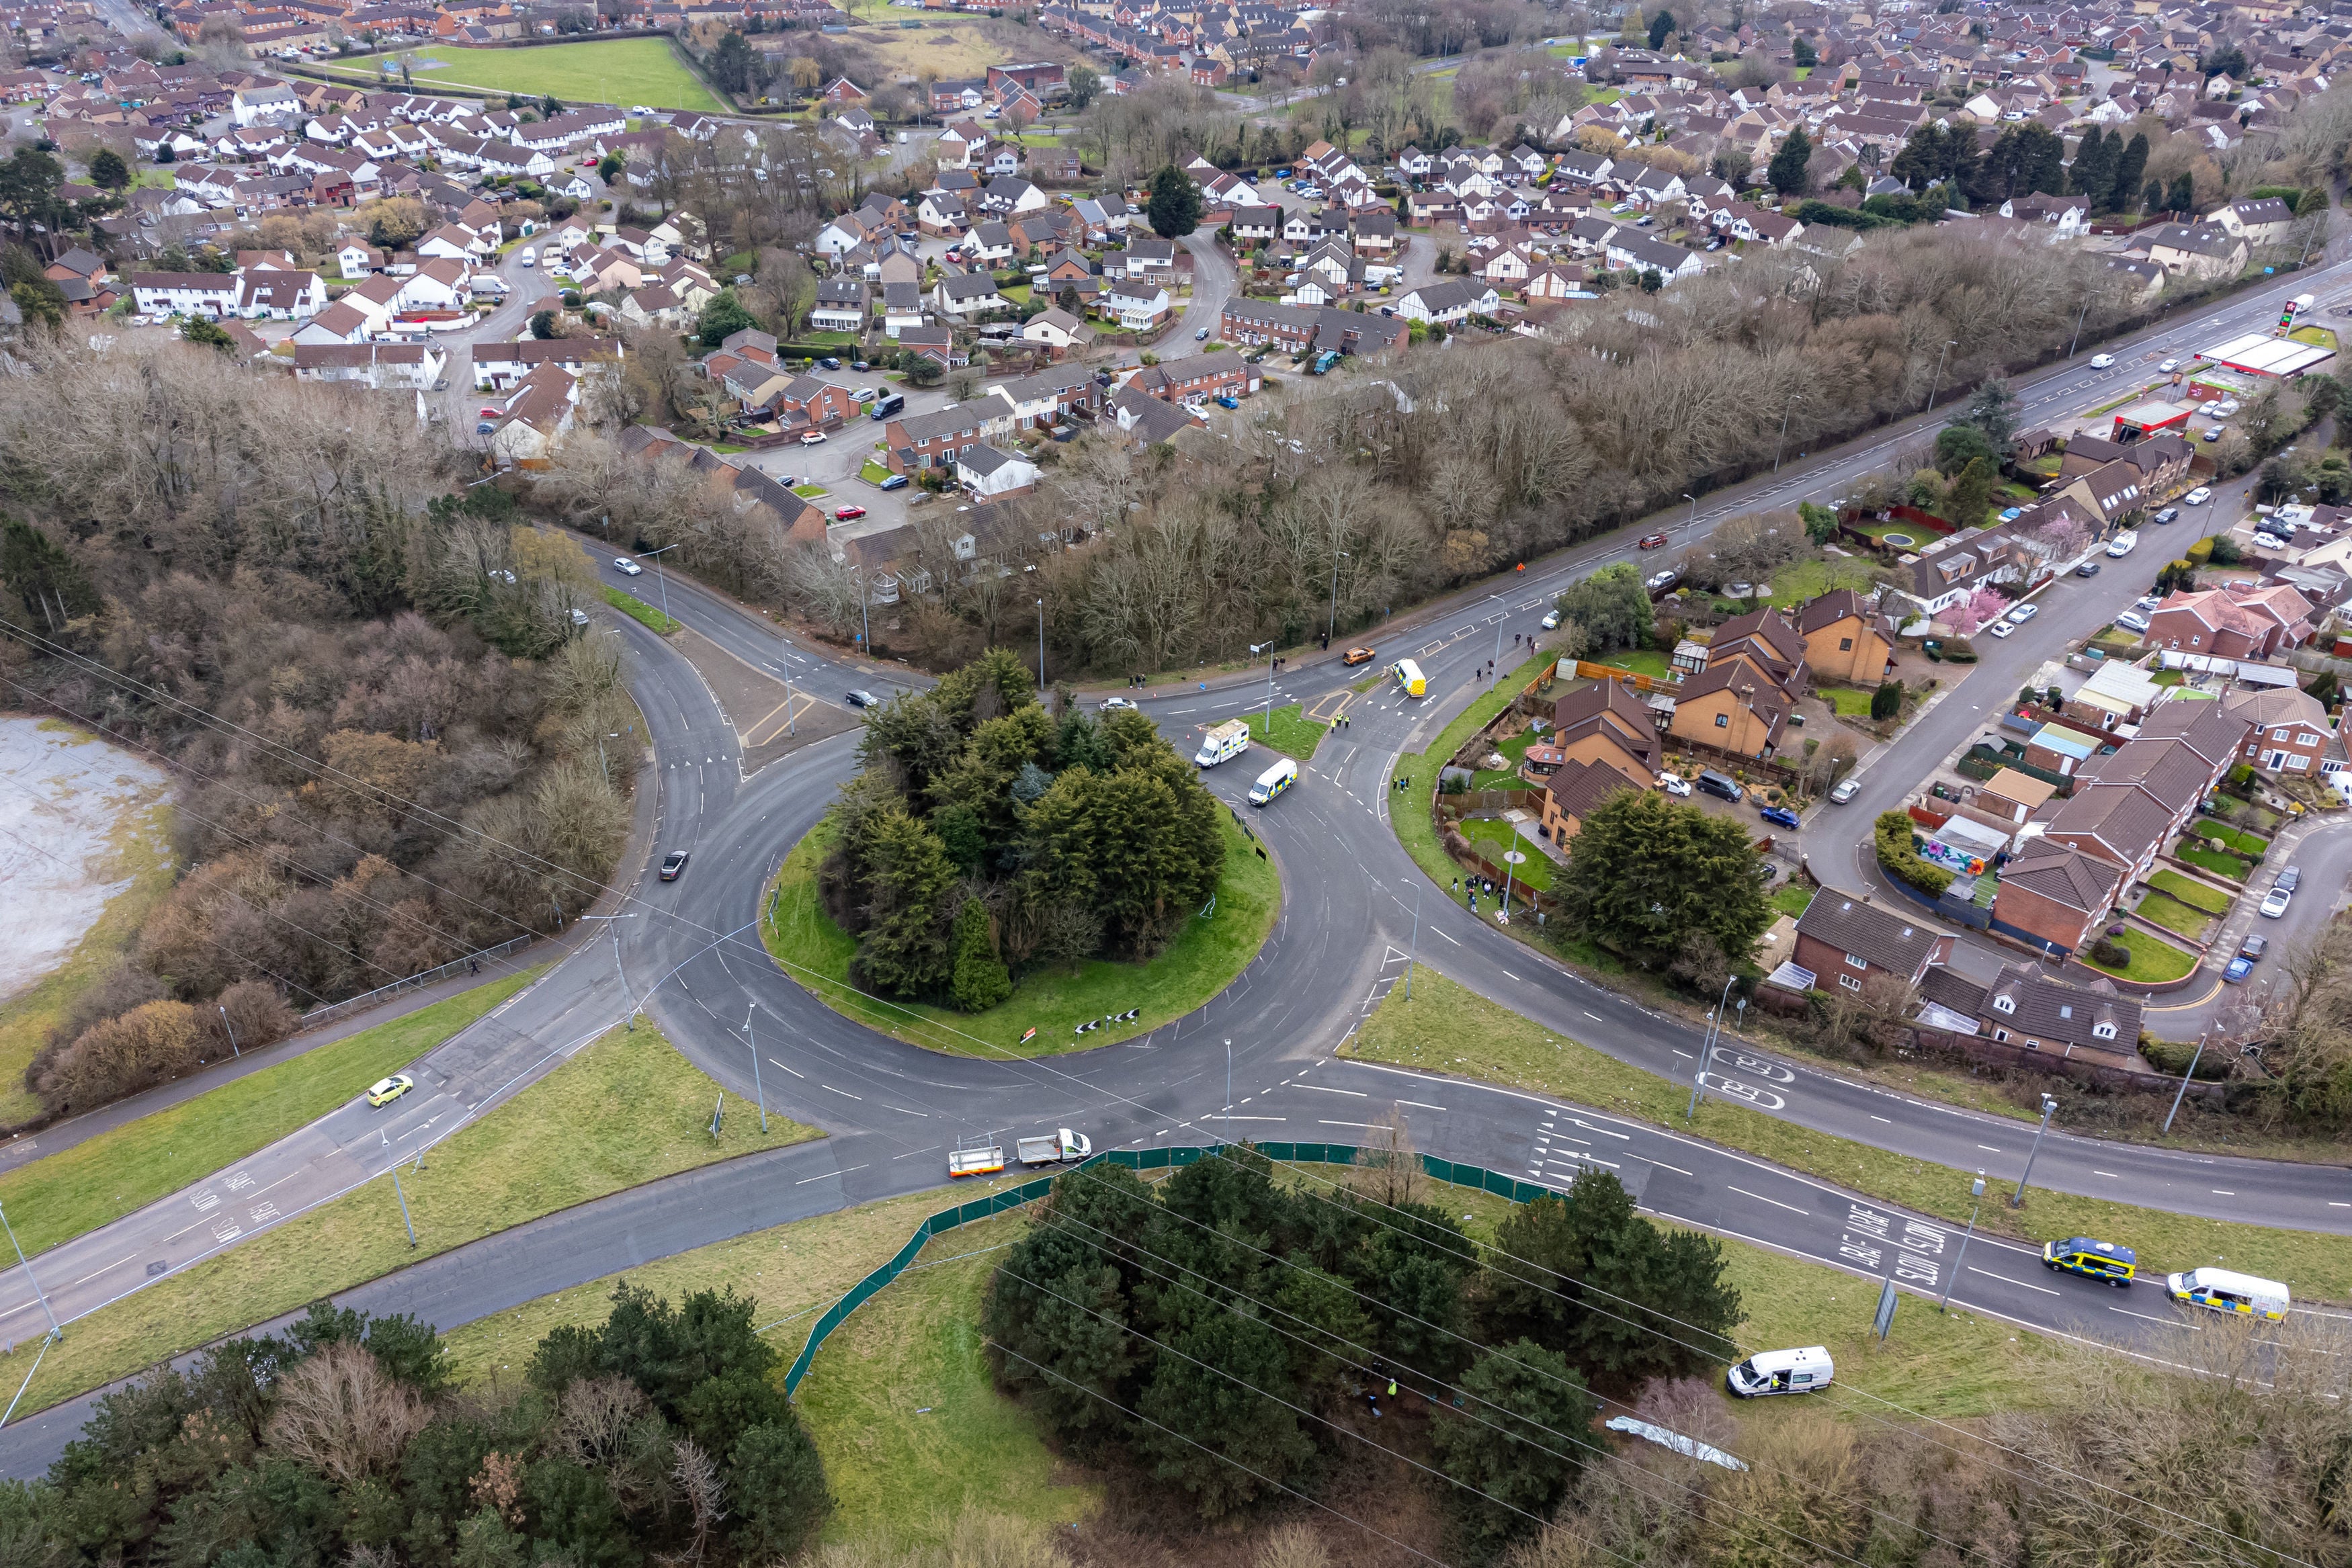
1887,700
1899,860
2113,953
2200,552
121,1055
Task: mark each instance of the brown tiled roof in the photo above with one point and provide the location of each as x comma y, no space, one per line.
1887,939
1579,787
2064,875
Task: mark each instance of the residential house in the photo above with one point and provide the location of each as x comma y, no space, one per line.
1572,790
990,474
967,295
840,306
2288,729
2056,896
1845,941
1845,640
1037,401
2232,621
1448,300
902,306
1732,706
405,366
2024,1004
499,365
936,440
2196,251
212,294
1199,377
1607,725
1136,306
1057,328
2258,222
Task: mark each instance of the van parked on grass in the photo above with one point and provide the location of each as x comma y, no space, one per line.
1804,1371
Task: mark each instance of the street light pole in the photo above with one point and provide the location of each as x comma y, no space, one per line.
1041,648
54,1330
1333,629
756,1087
1976,1192
1268,649
660,577
1414,949
2079,317
233,1051
2017,1199
2182,1092
1228,1118
1499,635
1782,446
1936,385
1707,1049
1690,524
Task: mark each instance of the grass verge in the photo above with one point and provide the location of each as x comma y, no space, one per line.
2153,960
99,1179
1447,1027
1203,960
873,472
1292,734
141,846
1409,814
637,609
1506,838
555,1144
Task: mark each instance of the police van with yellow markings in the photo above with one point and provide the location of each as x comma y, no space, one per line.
2094,1259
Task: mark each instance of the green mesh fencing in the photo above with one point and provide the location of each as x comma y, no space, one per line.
1449,1171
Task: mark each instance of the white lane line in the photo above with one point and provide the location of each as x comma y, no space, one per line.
1321,1089
2143,1317
842,1092
1422,1103
1775,1202
773,1062
1322,1123
2109,1175
2333,1204
1876,1117
2007,1281
1676,1169
902,1110
1989,1148
1596,1018
1684,1054
2222,1192
1441,932
1213,1117
117,1263
1514,979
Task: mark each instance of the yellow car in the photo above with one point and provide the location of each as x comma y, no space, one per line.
385,1091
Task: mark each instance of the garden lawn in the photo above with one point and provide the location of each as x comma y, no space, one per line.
1845,702
141,842
874,473
812,492
100,1179
556,1144
1293,734
1515,749
2174,916
2212,859
2152,961
2195,895
1503,836
637,609
1409,813
1203,960
1790,900
1798,580
621,70
2229,838
1640,661
1449,1028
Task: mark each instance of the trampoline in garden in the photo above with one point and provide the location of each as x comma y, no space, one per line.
1897,541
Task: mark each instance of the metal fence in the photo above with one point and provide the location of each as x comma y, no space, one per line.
367,1000
1028,1192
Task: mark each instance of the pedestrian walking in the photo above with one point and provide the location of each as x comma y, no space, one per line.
473,965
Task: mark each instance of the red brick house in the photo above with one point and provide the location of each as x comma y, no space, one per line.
2056,897
936,440
2235,621
1843,941
817,401
1202,376
2289,732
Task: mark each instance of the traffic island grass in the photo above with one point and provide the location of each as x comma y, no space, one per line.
1293,734
624,70
1047,1004
638,610
557,1144
1448,1029
872,472
80,1187
2153,960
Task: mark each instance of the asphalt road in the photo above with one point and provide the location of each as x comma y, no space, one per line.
1355,905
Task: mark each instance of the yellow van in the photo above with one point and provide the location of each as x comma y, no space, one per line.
1408,678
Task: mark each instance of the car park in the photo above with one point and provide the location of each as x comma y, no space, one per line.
2275,904
672,864
1354,656
1654,541
2133,620
2103,361
2018,614
385,1091
2198,496
2223,409
1673,784
861,699
1780,816
2001,629
626,567
895,482
1846,790
812,438
2110,1261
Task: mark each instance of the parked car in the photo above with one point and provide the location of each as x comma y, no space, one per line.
2240,968
1721,785
2215,433
672,864
2268,540
1201,335
859,365
1654,541
812,438
2198,496
2001,629
861,699
2146,602
626,567
490,413
1552,620
2123,544
1846,790
830,364
2223,409
2088,569
2275,904
1662,581
2132,621
2290,879
894,482
2018,614
2165,515
1354,656
866,394
1673,784
1227,401
1780,816
385,1091
484,428
845,514
2253,948
2103,361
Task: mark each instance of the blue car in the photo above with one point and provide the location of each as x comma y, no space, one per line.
1781,816
2011,514
2240,967
1229,402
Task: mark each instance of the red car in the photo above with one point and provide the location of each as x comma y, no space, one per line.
1654,541
843,513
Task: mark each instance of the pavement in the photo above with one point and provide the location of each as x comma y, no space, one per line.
1356,910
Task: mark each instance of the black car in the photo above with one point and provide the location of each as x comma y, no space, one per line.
673,863
860,365
861,699
2088,569
830,364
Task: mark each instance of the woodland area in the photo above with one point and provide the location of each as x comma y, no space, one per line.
658,1436
986,835
382,717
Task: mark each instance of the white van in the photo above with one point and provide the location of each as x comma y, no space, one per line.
1781,1372
2123,544
2227,1291
529,255
1226,741
1274,781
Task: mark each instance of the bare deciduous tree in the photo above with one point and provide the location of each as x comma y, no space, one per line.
339,1413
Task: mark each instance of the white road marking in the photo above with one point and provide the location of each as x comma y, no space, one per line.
842,1092
1319,1089
1422,1103
2146,1319
2007,1281
1775,1202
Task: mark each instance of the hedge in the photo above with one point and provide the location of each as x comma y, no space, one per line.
1899,860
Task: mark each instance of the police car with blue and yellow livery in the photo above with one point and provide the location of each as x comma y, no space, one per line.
2093,1259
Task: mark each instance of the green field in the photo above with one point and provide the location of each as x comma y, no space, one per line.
624,71
1294,734
556,1144
1203,960
100,1179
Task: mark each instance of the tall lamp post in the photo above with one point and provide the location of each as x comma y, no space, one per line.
2017,1199
1937,385
54,1331
1041,648
1690,524
1333,629
1268,649
660,578
2182,1092
1706,1051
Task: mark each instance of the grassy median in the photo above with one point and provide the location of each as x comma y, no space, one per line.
638,610
1203,960
100,1179
556,1144
1293,734
1449,1028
